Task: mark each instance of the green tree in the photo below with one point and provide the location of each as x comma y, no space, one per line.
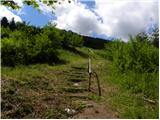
72,39
14,5
12,24
4,22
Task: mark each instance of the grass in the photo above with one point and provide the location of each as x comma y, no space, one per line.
35,91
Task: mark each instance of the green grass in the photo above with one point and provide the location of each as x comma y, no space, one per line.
37,89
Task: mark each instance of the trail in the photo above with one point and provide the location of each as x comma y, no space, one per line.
77,90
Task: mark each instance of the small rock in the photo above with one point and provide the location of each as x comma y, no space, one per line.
70,111
76,84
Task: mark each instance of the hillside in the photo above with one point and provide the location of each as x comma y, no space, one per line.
47,91
44,91
45,74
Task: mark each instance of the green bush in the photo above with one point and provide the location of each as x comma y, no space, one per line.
135,55
135,68
26,48
135,65
72,39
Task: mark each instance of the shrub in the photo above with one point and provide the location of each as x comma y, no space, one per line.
135,65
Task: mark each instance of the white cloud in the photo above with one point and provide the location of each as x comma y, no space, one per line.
120,18
126,16
76,17
112,18
4,12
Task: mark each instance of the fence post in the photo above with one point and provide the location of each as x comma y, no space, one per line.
90,73
98,83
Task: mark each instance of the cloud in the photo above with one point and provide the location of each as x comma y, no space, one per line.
4,12
74,16
126,16
111,18
107,18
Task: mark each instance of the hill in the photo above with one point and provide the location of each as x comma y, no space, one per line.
45,75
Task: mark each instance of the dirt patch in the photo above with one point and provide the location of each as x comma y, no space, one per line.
95,111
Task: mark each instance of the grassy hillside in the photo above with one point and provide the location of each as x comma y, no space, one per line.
43,91
44,74
39,90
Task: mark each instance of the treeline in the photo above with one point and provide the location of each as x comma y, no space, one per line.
95,43
26,44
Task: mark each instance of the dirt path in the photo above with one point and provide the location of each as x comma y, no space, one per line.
77,90
95,111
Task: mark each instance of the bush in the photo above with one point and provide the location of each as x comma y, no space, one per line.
26,48
135,55
135,65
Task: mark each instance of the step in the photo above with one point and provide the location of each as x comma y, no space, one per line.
77,79
78,72
74,90
78,97
78,76
79,68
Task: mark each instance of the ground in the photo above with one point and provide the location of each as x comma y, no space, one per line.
61,91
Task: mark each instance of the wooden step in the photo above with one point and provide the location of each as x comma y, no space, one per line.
77,79
79,68
78,73
74,89
78,97
78,76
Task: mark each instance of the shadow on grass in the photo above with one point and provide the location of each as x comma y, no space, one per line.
54,60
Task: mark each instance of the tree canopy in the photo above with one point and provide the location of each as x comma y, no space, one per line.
14,5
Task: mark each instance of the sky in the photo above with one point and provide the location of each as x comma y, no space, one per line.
98,18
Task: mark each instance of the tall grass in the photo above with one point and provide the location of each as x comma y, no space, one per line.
135,68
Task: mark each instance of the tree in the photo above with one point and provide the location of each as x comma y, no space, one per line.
154,37
4,22
14,5
142,37
72,39
12,24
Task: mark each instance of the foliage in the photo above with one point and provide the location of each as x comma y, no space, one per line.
4,22
135,55
154,36
25,44
135,69
72,39
35,3
14,5
135,65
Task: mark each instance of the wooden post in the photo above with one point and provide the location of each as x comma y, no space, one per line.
89,86
90,74
89,66
98,83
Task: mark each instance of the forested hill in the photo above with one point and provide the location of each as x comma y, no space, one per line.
69,37
26,44
96,43
91,42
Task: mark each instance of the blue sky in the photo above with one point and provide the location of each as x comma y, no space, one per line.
34,17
